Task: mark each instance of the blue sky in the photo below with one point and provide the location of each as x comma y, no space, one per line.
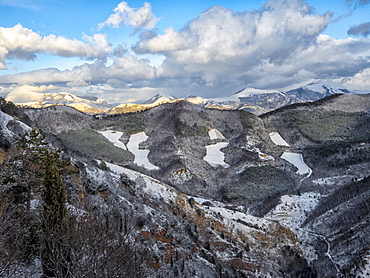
131,50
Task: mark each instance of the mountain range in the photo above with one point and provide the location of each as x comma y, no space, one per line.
252,100
220,192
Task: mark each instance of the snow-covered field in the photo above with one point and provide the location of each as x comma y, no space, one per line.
113,136
141,156
297,160
278,140
214,156
215,134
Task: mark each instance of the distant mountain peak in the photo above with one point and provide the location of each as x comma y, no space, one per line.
326,87
160,98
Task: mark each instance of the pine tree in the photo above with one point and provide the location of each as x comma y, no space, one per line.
55,256
22,172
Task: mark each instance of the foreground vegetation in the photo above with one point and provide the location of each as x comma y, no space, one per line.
36,224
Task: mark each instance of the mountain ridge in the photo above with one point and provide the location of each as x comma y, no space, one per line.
254,100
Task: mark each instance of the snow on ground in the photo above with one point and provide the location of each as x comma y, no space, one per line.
4,120
113,136
297,160
215,134
291,212
364,271
141,156
291,209
278,140
148,184
235,220
214,155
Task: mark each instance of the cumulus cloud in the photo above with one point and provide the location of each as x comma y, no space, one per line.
28,93
277,46
221,46
128,69
362,30
18,42
138,18
360,81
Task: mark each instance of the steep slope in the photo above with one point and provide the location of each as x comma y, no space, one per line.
186,153
183,236
333,136
304,166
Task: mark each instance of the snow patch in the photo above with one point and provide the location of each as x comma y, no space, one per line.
297,160
278,140
214,134
141,156
4,120
113,136
214,156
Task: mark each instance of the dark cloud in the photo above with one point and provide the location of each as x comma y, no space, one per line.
362,30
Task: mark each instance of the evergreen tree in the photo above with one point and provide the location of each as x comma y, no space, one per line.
23,171
55,256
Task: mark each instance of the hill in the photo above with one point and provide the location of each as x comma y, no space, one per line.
214,193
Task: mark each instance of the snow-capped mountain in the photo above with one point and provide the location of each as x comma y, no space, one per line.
317,90
86,104
253,100
159,99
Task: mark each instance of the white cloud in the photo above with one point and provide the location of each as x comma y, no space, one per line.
141,18
18,42
360,81
169,41
28,93
127,69
274,47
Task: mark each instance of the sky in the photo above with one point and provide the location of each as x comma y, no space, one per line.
131,50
